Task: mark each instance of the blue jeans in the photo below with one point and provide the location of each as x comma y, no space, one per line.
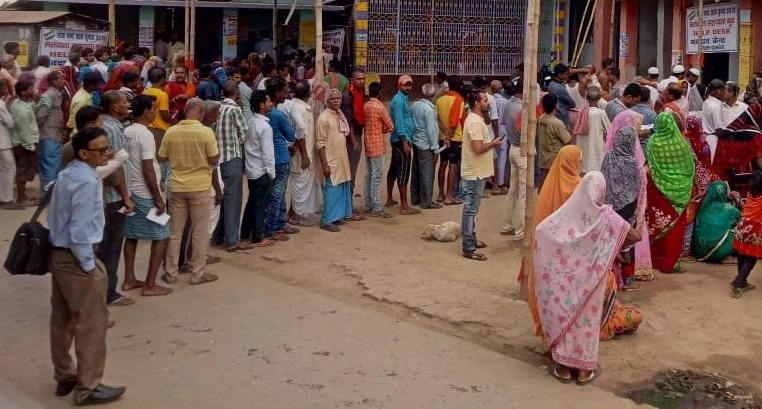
374,172
227,231
49,154
276,205
472,191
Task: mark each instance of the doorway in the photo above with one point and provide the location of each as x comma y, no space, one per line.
716,66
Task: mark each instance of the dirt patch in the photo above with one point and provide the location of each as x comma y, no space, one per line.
679,389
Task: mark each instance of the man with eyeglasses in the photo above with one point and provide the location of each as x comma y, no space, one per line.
353,107
79,282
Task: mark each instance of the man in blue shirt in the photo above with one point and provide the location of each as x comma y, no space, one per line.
207,87
425,143
284,136
79,281
558,86
399,170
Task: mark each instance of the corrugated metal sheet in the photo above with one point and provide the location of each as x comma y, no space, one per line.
29,17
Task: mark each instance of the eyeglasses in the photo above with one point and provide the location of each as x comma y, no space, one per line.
102,151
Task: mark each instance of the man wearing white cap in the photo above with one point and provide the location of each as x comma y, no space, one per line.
653,76
678,73
696,91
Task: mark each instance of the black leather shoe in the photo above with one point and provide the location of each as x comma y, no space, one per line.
103,394
64,388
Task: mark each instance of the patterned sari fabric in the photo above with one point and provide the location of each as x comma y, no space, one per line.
560,184
715,224
617,319
739,142
631,119
748,238
670,185
574,249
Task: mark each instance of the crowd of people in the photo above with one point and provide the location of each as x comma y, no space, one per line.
633,178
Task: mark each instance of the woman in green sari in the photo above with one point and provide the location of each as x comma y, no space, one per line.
715,224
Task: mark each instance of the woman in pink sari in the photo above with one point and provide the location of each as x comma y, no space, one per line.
574,250
643,267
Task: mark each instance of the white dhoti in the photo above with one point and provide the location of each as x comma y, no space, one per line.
303,186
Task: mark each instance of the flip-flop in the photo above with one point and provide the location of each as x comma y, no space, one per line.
475,256
264,243
646,278
122,301
481,245
596,373
553,371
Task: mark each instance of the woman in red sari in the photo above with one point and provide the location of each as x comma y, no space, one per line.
670,187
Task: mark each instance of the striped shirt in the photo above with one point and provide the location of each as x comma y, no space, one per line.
115,131
231,131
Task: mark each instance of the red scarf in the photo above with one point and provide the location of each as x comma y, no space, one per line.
358,105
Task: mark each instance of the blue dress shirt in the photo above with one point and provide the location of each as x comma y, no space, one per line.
283,135
75,215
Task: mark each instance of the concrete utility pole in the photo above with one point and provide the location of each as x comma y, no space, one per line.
528,135
275,29
111,23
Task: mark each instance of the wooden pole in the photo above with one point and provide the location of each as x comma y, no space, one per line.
431,42
579,32
186,28
191,56
275,30
317,85
111,23
584,38
700,54
528,135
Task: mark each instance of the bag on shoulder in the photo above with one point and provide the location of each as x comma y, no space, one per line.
29,249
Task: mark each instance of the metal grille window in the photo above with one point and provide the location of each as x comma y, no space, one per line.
457,36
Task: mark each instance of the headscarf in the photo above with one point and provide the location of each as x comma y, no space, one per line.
626,119
671,161
574,250
622,171
560,183
715,220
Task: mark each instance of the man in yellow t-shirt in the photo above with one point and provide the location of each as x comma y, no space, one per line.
191,150
475,169
451,110
158,78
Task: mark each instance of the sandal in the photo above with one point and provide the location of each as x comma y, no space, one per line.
630,288
452,202
279,237
553,371
596,373
357,218
646,278
240,246
739,291
264,243
122,301
481,245
380,214
472,255
409,211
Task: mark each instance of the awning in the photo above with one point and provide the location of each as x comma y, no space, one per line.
235,4
29,17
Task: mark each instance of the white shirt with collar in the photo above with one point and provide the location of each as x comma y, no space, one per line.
731,112
711,120
258,148
663,84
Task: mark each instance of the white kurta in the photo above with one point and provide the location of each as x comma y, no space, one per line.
592,145
302,181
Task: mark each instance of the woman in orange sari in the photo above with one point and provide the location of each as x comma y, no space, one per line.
563,178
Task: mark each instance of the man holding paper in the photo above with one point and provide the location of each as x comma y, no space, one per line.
144,179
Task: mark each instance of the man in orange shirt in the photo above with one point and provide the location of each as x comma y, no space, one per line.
451,114
179,92
377,123
158,79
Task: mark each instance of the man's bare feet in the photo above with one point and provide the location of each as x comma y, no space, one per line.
390,203
155,290
409,210
131,285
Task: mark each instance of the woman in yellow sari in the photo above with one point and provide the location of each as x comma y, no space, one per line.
563,178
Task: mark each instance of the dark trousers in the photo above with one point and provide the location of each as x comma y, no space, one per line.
745,265
110,249
422,182
227,228
253,224
355,155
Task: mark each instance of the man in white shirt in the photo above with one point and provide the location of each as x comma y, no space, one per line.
41,72
302,181
259,155
732,108
696,90
711,113
653,76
